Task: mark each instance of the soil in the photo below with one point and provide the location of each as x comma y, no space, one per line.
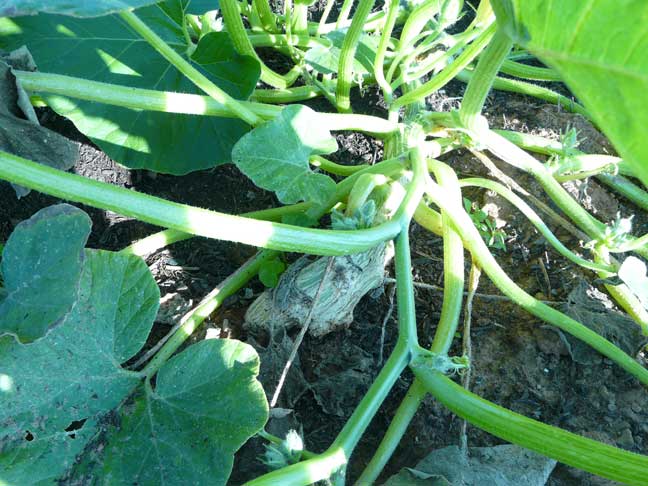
518,362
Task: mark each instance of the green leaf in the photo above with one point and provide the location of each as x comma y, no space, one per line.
270,272
363,217
70,413
82,8
326,59
599,49
41,268
275,156
105,49
216,54
199,7
20,133
73,372
206,404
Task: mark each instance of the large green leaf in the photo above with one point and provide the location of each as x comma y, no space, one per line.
275,156
599,47
217,55
78,8
206,403
41,268
65,411
198,7
73,373
106,49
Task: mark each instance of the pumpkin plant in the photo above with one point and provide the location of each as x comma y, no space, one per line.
179,86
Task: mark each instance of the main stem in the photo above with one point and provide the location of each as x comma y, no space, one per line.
486,71
347,55
208,305
188,70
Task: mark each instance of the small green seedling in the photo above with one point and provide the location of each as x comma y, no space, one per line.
495,237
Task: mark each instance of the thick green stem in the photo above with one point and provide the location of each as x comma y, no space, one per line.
347,55
325,16
144,99
390,168
385,37
438,59
568,448
533,217
623,186
236,30
479,86
207,306
343,16
513,155
529,89
202,222
445,76
374,125
265,15
627,189
416,21
334,168
288,95
525,71
167,237
138,98
300,17
188,70
481,254
211,224
453,276
283,40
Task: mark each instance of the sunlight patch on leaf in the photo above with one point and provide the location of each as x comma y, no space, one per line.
105,49
114,65
83,8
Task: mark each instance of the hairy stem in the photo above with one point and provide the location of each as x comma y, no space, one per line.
188,70
479,86
566,447
347,55
138,98
481,254
453,275
448,73
207,306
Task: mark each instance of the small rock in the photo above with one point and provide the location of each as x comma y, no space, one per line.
626,440
172,307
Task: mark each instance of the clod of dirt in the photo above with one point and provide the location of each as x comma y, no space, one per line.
595,198
346,282
273,359
503,465
593,309
172,307
341,378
